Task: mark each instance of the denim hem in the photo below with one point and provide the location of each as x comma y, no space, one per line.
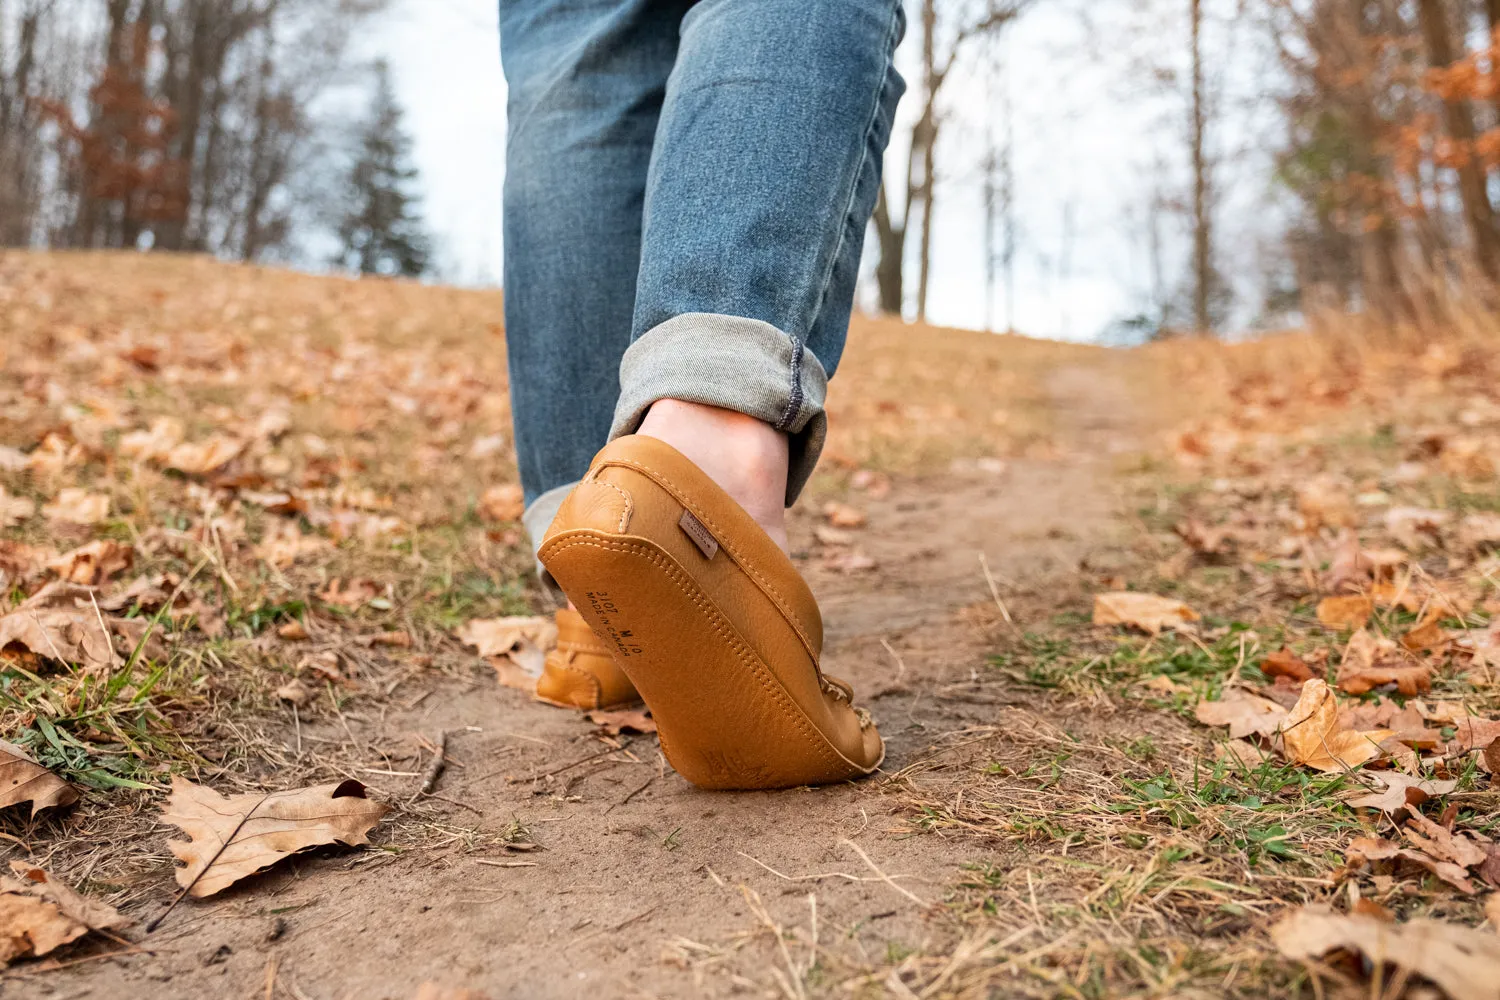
537,518
736,363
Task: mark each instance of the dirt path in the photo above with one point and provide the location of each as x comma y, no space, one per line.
635,889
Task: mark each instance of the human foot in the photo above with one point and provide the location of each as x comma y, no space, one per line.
710,621
745,457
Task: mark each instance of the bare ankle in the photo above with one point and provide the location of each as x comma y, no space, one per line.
746,457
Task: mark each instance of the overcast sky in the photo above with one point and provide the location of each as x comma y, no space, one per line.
1094,135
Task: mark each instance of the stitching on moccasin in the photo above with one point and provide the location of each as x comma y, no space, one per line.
782,604
629,503
721,626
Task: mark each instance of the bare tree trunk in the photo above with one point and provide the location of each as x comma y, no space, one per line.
1202,232
926,132
892,240
1478,213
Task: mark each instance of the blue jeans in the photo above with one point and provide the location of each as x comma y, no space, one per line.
686,193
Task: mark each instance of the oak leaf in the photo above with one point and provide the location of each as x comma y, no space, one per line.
39,914
1443,843
202,457
1147,612
1464,962
1243,713
256,831
1311,736
22,779
54,624
1401,791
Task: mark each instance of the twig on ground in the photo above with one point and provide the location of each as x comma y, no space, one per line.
434,768
883,876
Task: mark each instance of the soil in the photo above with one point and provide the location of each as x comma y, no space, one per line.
640,884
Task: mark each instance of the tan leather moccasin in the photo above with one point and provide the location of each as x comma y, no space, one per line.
580,673
711,622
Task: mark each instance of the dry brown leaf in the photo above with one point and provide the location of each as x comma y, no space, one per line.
398,638
1464,962
296,692
1324,502
354,593
1164,684
94,563
22,779
1444,844
1247,754
1285,663
202,457
1492,910
515,646
1346,611
154,444
1204,540
1479,531
14,509
1416,527
53,626
1426,634
1243,713
636,720
1363,849
39,914
20,562
1311,736
843,515
1370,661
284,543
292,631
144,591
834,537
1401,791
502,503
77,506
256,831
1473,733
851,561
1147,612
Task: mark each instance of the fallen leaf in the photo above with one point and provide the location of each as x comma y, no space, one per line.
22,779
1401,791
296,692
202,457
1164,684
1442,843
1311,735
636,720
78,506
1479,531
1147,612
1204,540
1285,663
94,563
1325,502
1416,527
515,646
1363,849
256,831
53,626
1427,634
284,543
352,594
1464,962
153,444
1243,713
14,509
1346,611
1474,733
843,515
1248,754
293,631
39,914
853,561
1370,661
502,503
144,592
833,536
1492,910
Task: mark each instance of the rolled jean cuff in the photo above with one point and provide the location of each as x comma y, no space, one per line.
734,363
537,518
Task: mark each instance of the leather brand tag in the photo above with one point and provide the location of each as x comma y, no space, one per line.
701,536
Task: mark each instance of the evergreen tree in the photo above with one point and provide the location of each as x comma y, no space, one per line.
382,231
